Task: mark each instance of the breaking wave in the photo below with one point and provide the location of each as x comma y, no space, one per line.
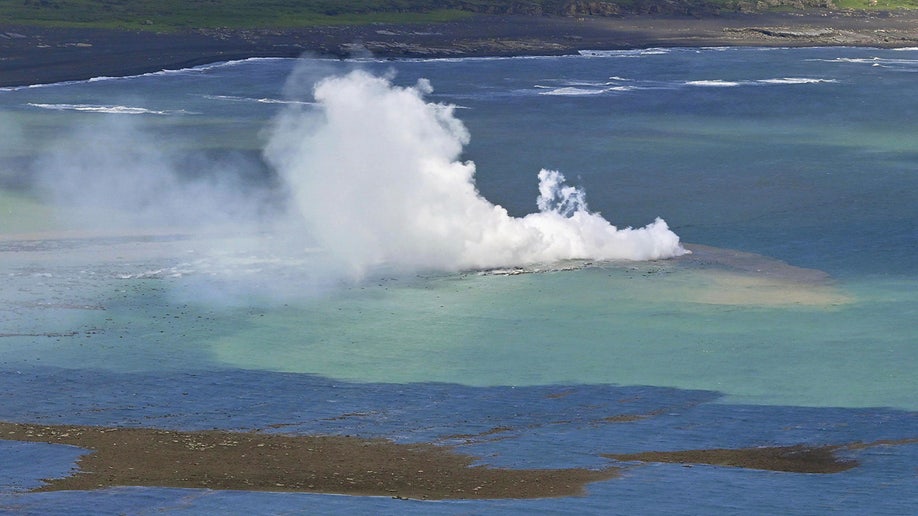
112,110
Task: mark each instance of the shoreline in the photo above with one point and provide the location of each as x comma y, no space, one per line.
35,55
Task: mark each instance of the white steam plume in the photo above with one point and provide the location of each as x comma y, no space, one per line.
114,173
377,180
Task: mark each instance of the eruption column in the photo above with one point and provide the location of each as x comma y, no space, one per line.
377,179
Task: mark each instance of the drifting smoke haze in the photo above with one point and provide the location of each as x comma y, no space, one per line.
117,174
376,178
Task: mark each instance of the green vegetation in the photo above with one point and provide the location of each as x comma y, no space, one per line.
167,15
170,15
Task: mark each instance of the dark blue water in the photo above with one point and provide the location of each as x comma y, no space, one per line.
548,426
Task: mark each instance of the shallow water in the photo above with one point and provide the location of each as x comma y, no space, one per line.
115,313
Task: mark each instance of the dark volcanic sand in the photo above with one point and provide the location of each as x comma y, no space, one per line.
32,55
258,461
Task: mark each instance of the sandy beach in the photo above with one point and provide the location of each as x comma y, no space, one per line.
33,55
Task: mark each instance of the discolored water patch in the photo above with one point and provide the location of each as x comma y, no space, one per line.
732,277
792,459
740,262
255,461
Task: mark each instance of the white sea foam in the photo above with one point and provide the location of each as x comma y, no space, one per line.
267,100
895,64
716,83
225,264
719,83
377,181
586,84
62,83
451,60
232,63
263,100
116,110
573,91
625,53
615,84
38,86
874,61
175,71
796,80
191,70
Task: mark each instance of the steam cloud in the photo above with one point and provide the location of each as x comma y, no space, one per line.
116,173
377,180
370,176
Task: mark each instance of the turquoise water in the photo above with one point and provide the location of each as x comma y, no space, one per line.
141,288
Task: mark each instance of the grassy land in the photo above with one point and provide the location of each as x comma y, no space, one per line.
166,15
170,15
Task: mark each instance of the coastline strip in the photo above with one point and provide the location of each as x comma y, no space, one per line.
39,55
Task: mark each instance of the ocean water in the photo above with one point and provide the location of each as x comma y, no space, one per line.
231,246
